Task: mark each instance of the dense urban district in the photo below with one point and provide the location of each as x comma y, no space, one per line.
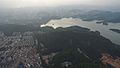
18,51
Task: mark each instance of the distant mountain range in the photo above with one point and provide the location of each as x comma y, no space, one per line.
42,16
105,16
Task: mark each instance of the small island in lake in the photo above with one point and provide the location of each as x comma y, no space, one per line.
104,23
98,22
115,30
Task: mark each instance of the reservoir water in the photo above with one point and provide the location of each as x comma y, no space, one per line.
103,29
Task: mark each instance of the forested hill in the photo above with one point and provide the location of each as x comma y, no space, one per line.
63,40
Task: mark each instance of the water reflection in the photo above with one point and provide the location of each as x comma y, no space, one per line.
104,29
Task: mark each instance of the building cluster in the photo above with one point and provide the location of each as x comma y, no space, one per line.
108,59
18,51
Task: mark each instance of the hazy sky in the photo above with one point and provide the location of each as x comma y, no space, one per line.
44,3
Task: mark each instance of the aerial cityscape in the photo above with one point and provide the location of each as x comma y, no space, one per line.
18,51
59,34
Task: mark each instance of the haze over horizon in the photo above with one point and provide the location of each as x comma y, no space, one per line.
54,3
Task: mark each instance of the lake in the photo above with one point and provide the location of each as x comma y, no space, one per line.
103,29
